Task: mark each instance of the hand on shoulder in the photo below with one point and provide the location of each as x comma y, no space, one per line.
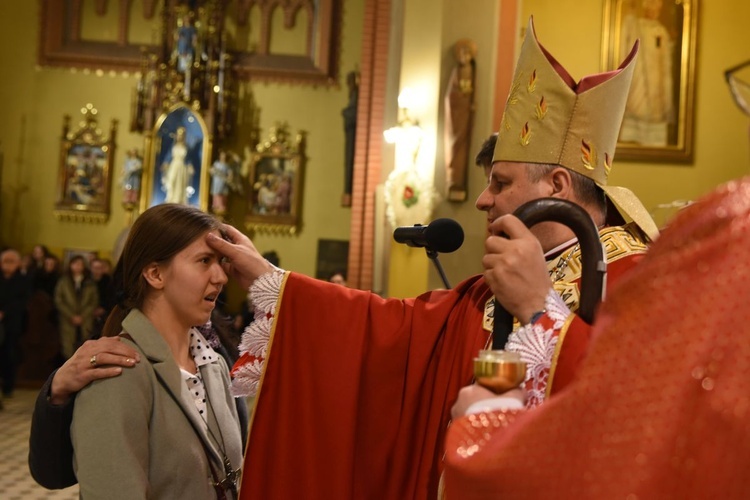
95,359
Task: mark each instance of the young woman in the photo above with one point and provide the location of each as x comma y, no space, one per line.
168,427
75,299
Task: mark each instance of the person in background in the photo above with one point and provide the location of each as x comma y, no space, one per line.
46,278
38,254
27,265
339,278
102,278
76,298
14,295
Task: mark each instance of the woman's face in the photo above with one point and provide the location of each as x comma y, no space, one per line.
193,280
37,253
50,264
76,267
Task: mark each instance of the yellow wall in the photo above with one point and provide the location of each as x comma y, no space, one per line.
572,30
430,30
35,99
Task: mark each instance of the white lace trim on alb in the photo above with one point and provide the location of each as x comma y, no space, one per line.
264,294
536,345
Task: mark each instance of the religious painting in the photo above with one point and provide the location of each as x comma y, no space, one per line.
177,170
84,177
275,183
658,120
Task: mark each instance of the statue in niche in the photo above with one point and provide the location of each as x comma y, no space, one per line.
130,182
221,177
459,118
350,132
225,178
186,48
178,174
187,39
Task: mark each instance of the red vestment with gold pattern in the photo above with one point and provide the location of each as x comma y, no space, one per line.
356,392
660,407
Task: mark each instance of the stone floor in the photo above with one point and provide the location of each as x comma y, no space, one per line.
16,482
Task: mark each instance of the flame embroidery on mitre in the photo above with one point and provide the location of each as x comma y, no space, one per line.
588,155
525,134
531,87
607,163
513,94
506,122
541,109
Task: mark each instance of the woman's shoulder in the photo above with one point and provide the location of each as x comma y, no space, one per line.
140,375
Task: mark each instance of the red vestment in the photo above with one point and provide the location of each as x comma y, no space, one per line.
660,407
356,393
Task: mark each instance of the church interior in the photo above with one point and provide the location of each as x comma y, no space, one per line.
299,97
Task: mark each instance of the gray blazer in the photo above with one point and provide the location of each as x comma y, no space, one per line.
139,435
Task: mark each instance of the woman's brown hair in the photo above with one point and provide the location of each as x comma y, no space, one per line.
157,235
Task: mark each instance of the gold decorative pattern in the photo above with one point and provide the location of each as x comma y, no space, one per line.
618,242
513,94
556,355
489,314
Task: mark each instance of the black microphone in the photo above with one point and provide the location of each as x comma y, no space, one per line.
441,235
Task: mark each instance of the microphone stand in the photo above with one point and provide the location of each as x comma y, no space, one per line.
433,256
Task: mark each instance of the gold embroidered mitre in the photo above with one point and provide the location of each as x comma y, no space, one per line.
549,118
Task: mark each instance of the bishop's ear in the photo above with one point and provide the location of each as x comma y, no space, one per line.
562,183
153,275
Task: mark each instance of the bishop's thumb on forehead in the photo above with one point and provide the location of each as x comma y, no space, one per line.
220,244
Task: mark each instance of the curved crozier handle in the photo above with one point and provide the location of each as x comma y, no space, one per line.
594,267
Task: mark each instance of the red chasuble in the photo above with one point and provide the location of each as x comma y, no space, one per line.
355,397
660,407
356,394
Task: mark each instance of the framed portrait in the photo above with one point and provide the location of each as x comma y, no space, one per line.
275,181
84,176
178,152
658,120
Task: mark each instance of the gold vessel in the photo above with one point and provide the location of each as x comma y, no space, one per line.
499,371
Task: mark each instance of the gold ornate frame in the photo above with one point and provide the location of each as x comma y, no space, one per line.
275,183
62,42
159,144
84,185
655,132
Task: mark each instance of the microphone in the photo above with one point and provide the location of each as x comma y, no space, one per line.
441,235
